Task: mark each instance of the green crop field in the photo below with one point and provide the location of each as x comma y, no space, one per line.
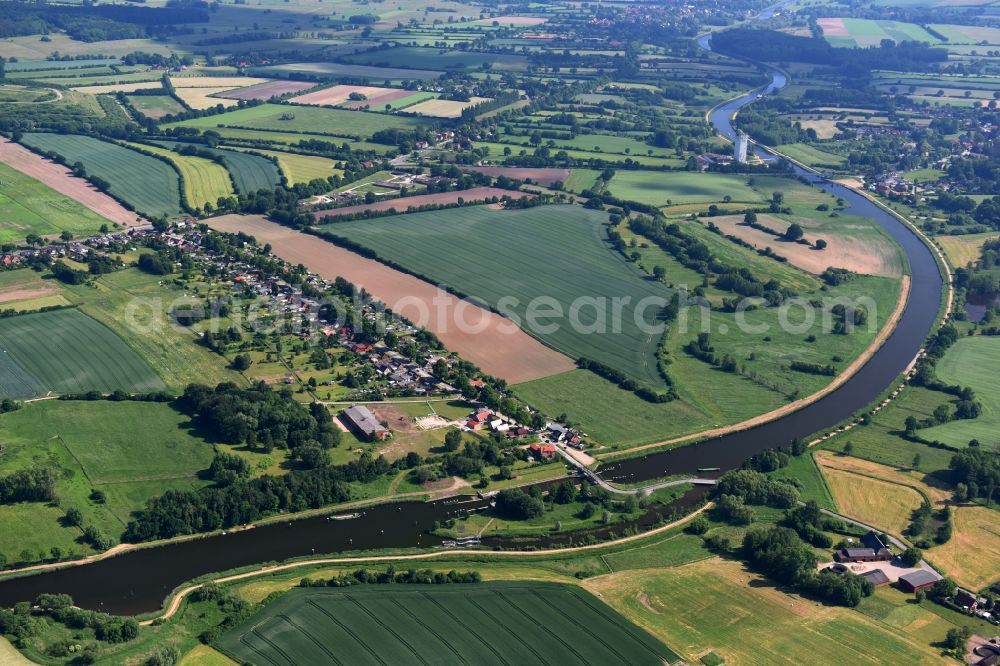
66,351
556,252
661,189
863,33
811,155
481,623
155,106
302,168
307,119
147,184
249,172
28,206
94,445
436,59
972,362
204,180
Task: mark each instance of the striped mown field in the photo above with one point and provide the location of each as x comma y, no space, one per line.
475,623
204,180
65,351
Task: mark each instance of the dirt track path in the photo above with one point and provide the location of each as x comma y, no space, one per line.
178,598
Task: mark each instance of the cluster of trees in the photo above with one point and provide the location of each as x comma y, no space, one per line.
921,522
516,504
977,471
813,368
64,273
390,576
35,484
92,22
234,609
260,418
753,487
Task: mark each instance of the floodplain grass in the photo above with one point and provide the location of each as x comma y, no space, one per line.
146,183
661,189
502,621
204,180
553,251
973,362
65,351
28,206
306,119
746,619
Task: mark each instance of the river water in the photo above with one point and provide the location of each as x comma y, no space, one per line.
138,581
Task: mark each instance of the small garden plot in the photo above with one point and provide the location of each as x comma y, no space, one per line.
265,91
65,351
444,108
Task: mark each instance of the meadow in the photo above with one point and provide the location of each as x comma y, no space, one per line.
972,362
661,189
307,119
28,206
147,184
964,250
746,619
502,622
131,451
65,351
811,155
205,182
559,252
155,106
873,502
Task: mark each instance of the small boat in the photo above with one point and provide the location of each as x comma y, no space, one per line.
709,469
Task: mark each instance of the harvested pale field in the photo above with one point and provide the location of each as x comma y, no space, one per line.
61,179
443,108
833,27
880,503
336,94
227,82
972,556
119,87
512,20
201,98
23,294
542,176
490,341
964,250
843,251
825,128
476,194
938,496
265,91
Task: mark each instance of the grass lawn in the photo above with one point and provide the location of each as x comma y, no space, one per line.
204,180
130,450
555,252
28,206
65,351
661,189
525,623
718,605
149,185
334,122
972,362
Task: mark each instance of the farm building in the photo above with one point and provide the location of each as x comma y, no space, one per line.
966,600
360,419
917,580
874,541
863,555
543,451
876,577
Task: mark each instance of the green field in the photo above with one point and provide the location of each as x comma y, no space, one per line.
307,119
249,172
863,33
204,180
66,351
28,206
129,450
147,184
436,59
549,251
481,623
302,168
337,69
972,362
811,155
155,106
661,189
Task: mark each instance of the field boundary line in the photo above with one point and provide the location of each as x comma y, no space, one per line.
178,597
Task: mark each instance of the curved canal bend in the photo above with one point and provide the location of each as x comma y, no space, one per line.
138,581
